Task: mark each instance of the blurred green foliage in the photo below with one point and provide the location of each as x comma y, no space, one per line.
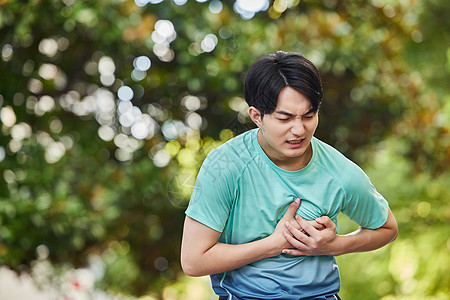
79,177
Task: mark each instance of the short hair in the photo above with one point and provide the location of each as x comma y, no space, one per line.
271,73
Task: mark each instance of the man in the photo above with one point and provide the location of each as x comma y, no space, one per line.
246,225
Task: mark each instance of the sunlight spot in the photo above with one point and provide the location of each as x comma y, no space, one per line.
48,47
168,57
7,116
63,43
120,140
106,133
423,209
161,158
389,11
252,5
28,67
209,42
161,263
42,251
280,5
91,67
137,75
21,131
248,8
215,6
172,129
238,104
7,52
141,3
125,93
192,103
46,103
142,63
2,153
164,28
123,154
54,152
48,71
128,118
35,86
106,66
107,80
143,127
417,36
56,125
194,120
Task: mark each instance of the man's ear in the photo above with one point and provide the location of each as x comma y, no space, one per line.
255,115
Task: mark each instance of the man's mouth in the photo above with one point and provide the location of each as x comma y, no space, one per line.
294,142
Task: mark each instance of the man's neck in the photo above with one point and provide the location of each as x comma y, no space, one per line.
288,164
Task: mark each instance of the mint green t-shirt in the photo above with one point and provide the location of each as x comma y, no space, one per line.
241,193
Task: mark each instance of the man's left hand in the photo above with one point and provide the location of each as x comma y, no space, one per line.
311,241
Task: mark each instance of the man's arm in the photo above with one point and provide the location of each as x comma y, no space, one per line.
201,254
326,242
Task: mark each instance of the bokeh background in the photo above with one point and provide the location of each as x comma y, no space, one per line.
108,108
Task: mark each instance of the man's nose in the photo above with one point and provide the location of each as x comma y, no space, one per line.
298,128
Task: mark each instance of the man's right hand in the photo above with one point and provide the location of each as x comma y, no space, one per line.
289,216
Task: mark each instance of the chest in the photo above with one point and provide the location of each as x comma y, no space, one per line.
264,196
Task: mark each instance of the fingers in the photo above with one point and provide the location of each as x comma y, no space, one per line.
293,208
295,242
296,237
294,252
326,222
316,225
306,226
309,240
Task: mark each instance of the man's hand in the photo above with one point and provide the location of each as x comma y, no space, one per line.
290,218
310,239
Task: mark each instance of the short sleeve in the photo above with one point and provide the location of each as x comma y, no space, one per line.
363,204
214,190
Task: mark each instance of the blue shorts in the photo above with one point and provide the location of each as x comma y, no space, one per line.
328,297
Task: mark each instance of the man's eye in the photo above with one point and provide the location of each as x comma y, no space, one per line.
308,117
283,119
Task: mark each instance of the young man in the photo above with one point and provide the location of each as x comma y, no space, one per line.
246,225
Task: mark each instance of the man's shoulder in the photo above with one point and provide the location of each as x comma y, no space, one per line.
336,164
326,151
240,149
232,157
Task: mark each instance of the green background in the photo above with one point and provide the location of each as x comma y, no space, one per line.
80,186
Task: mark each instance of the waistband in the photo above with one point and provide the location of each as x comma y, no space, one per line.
327,297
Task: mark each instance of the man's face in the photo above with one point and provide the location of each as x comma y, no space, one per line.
285,134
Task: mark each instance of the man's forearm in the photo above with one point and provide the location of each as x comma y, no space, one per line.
326,242
364,239
224,257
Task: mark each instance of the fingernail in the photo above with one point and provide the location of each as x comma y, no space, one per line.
286,224
297,216
297,200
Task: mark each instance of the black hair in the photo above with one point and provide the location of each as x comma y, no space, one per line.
271,73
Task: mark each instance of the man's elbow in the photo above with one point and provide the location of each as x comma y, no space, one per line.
190,267
394,233
391,224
